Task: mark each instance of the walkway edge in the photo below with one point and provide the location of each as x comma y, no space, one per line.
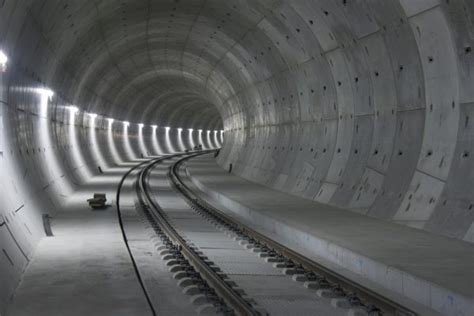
414,288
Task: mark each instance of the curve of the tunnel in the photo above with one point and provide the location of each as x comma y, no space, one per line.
365,105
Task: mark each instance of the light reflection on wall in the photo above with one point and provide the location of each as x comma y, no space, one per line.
216,142
77,155
45,96
154,139
111,143
222,138
180,140
201,141
51,161
3,61
126,142
141,141
190,137
100,156
169,144
96,150
208,138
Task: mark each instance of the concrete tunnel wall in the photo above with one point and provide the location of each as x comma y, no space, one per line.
51,147
46,158
48,154
364,105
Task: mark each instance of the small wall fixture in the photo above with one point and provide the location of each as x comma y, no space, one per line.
3,61
73,109
45,92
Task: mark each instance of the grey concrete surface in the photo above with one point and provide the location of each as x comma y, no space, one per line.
83,270
432,270
166,297
274,293
365,105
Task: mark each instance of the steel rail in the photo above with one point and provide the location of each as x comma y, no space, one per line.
366,295
124,235
214,280
122,228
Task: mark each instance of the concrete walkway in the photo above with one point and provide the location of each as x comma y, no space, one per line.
432,270
84,269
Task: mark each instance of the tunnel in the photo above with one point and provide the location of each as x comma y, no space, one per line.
236,157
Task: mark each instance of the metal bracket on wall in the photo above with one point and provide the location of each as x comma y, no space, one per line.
47,225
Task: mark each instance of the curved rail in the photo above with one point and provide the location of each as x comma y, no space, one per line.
122,229
358,294
124,235
231,297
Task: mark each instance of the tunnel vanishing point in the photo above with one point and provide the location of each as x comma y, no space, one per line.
236,157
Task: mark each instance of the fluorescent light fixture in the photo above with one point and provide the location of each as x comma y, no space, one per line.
92,115
3,59
73,109
141,125
154,126
111,120
190,129
180,129
125,123
208,131
200,130
167,128
45,92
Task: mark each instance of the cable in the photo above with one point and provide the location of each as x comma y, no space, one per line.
124,236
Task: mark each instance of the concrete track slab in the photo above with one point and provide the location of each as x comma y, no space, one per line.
293,301
430,269
234,260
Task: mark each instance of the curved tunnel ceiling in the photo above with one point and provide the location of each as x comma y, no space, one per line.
150,57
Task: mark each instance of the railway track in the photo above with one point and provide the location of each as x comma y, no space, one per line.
199,242
218,292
